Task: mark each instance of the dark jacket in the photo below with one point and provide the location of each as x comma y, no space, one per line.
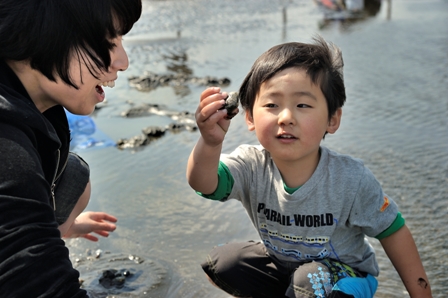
34,261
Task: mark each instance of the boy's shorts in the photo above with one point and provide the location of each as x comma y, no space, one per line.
247,270
70,186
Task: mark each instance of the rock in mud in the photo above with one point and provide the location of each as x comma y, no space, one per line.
150,81
134,142
184,120
141,110
151,133
154,131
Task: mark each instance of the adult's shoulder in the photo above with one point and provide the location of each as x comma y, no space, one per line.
22,164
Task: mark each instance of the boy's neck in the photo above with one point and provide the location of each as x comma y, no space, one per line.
295,174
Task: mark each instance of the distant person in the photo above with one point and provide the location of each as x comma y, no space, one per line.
311,206
53,55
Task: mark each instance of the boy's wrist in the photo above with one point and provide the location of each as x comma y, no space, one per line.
210,146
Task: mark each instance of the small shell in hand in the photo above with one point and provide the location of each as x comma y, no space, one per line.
232,102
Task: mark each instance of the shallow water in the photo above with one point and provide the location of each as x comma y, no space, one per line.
395,119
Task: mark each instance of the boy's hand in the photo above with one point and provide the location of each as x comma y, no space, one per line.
87,222
212,122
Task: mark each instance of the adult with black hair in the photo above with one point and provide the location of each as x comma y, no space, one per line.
53,55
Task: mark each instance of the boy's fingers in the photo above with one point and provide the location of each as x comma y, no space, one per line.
209,91
209,111
211,99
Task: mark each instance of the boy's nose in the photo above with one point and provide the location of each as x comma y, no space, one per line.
119,58
286,117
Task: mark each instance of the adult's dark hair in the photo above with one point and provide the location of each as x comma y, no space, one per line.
323,64
49,33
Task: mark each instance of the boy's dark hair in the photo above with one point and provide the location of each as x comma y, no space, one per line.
323,64
49,32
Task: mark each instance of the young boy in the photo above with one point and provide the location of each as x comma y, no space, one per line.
312,207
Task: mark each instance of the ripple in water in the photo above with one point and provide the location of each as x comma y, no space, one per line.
121,275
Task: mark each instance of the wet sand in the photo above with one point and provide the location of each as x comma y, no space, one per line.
395,119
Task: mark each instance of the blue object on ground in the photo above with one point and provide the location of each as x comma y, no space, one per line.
84,133
358,286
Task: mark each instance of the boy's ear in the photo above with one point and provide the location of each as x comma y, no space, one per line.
250,121
335,121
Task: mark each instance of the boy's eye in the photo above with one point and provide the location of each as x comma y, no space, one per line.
270,105
302,105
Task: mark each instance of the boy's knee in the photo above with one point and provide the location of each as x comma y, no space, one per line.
310,280
223,260
240,269
221,267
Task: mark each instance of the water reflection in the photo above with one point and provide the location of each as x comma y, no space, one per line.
178,63
345,13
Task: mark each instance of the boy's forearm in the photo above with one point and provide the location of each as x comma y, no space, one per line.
202,168
402,251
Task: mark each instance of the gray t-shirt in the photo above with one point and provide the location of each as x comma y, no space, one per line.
328,217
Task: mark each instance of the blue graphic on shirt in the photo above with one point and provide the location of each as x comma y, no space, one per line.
298,247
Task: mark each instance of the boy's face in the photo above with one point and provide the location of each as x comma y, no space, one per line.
290,117
90,91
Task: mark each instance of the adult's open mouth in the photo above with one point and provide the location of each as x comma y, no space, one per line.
99,87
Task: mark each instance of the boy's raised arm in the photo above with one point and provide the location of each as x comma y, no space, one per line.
202,168
402,251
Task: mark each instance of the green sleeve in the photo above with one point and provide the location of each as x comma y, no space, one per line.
395,226
225,184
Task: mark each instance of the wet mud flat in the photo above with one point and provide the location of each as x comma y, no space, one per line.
395,119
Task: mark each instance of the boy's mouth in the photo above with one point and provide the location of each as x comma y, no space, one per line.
286,136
